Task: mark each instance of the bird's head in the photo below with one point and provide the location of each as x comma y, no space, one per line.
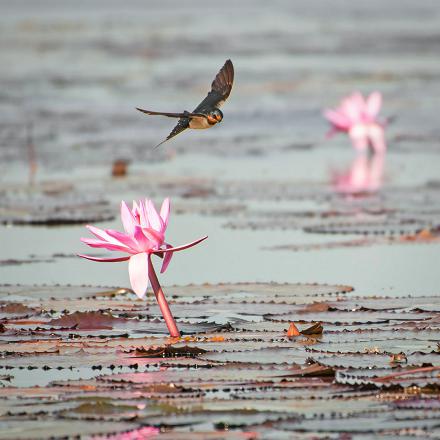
215,116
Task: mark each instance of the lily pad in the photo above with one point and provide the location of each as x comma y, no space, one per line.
53,209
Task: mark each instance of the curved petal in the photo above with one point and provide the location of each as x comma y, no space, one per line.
357,100
143,243
154,236
143,215
165,211
337,119
353,107
104,244
135,207
124,239
103,260
184,246
128,221
153,217
138,272
102,235
374,103
167,259
136,213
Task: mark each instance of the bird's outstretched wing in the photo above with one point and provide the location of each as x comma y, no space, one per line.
220,89
171,115
182,125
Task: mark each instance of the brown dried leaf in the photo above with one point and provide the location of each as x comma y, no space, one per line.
315,307
15,308
315,329
87,321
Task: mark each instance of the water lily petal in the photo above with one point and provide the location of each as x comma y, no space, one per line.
184,246
359,137
106,245
143,214
102,235
143,243
136,212
103,260
167,259
127,218
138,272
135,207
374,103
353,107
124,239
357,101
153,216
337,119
154,236
165,211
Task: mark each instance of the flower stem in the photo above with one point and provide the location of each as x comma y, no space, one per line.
161,300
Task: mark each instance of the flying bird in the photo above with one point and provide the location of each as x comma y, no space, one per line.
207,113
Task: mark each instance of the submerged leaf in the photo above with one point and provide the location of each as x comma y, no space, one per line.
87,321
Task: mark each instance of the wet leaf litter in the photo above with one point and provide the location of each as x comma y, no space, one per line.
104,356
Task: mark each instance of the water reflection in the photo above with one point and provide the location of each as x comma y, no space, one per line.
144,433
365,174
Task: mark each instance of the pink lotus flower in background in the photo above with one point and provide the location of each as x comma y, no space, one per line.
144,236
365,175
358,117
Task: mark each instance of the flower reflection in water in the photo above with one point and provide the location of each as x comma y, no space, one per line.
144,433
364,175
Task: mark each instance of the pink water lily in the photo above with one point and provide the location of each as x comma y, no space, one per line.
144,236
358,117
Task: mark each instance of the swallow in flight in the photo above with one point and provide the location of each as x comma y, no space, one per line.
207,113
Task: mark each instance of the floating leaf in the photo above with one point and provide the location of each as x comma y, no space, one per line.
292,331
87,321
63,206
170,351
99,354
315,329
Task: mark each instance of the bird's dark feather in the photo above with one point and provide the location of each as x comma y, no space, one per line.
184,114
220,89
182,125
